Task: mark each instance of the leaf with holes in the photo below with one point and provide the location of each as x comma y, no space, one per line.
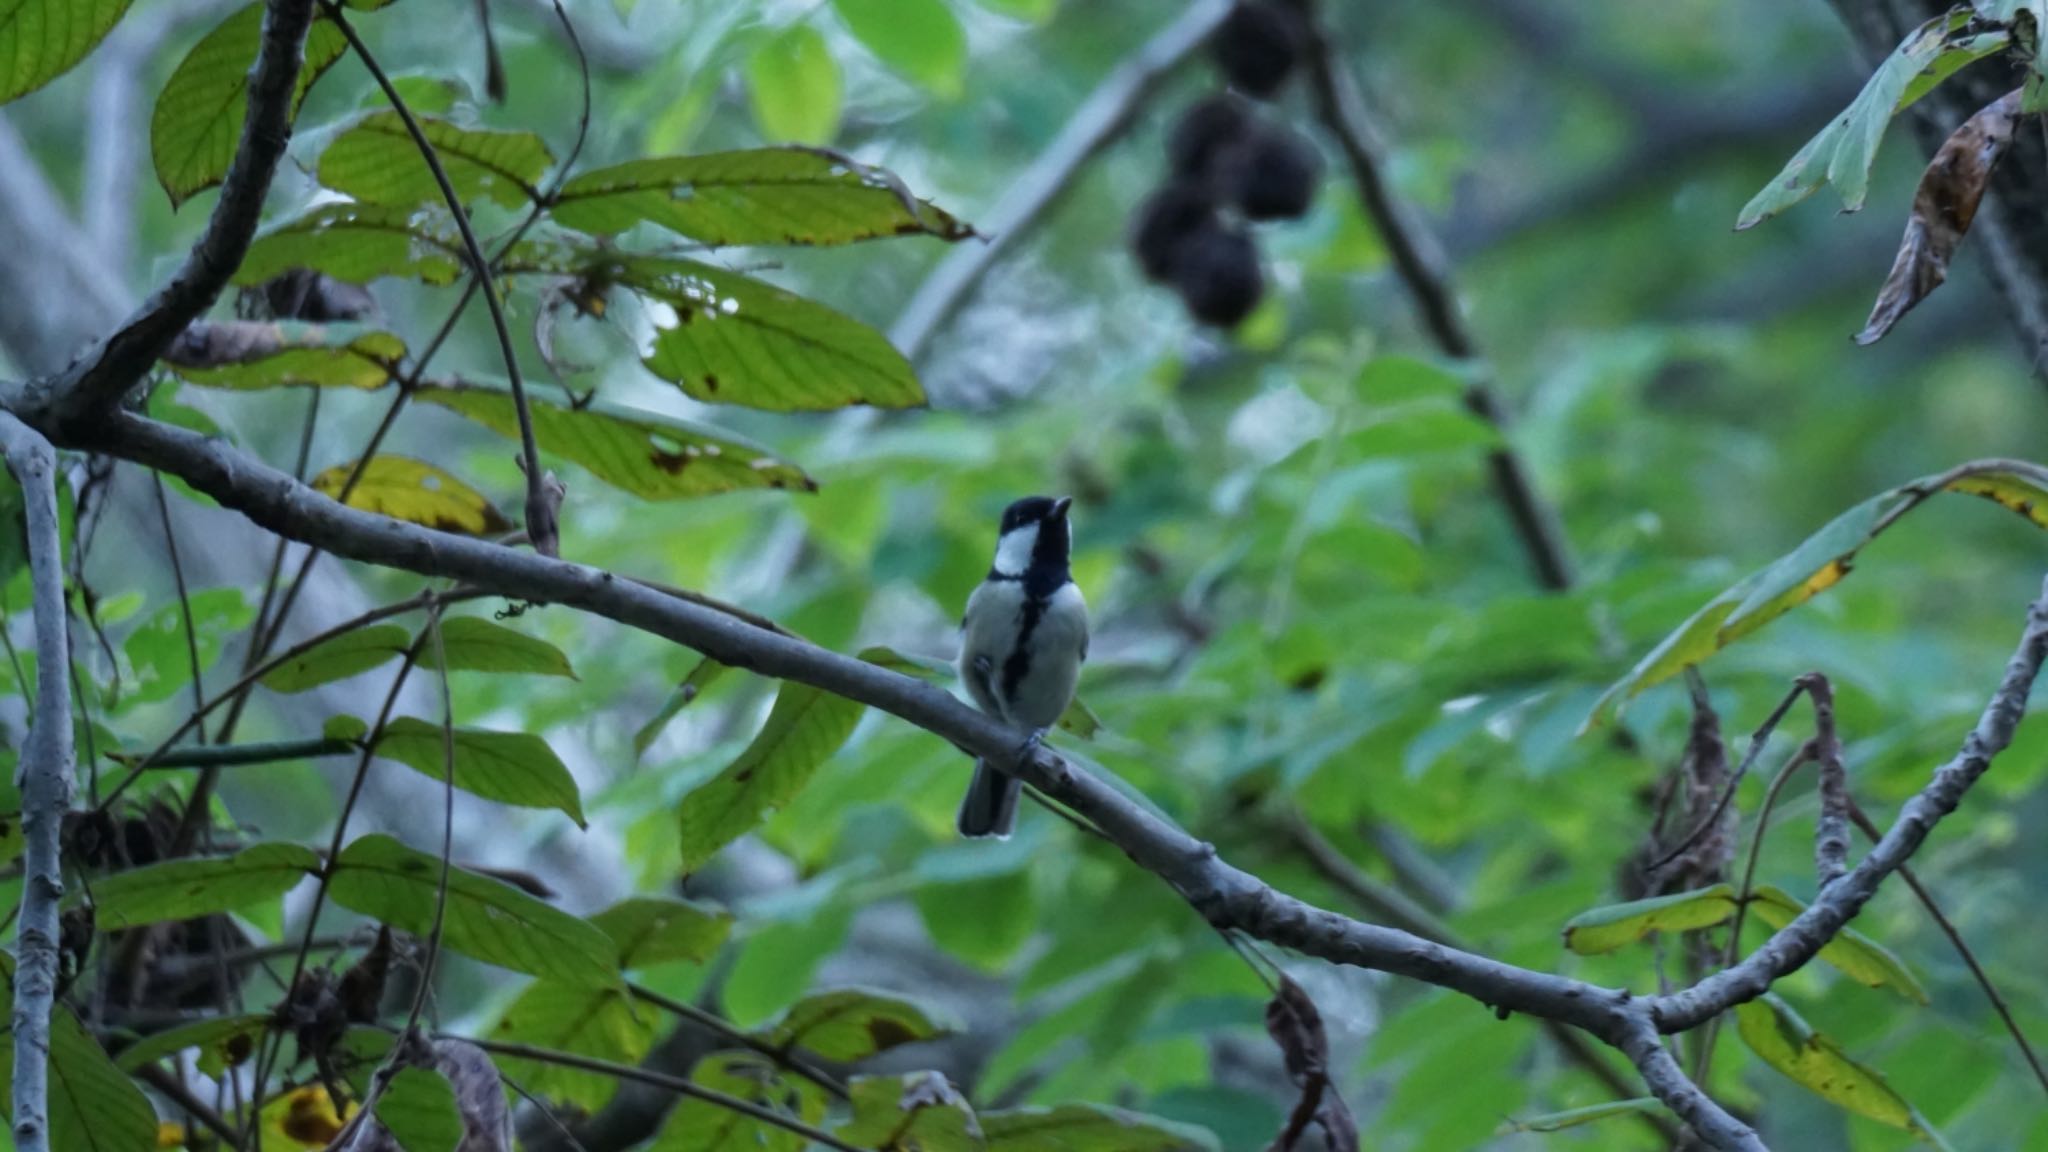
916,1112
488,920
416,492
652,930
93,1106
1842,153
278,355
651,456
516,768
376,161
41,40
602,1023
349,654
418,1108
806,726
849,1024
735,340
1605,929
1088,1128
1784,1041
763,196
187,889
1851,952
197,123
474,644
359,243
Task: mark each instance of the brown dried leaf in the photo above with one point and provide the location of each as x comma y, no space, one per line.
1297,1027
1943,209
362,986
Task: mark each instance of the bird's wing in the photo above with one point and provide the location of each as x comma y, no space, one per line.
979,674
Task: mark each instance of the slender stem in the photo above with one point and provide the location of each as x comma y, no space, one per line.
540,513
262,625
212,756
426,983
174,1090
713,1023
674,1084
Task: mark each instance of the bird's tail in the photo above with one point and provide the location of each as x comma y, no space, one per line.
990,808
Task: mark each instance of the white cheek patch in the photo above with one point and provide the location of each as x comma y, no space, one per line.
1013,551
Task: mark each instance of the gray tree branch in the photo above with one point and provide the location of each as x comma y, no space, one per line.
45,778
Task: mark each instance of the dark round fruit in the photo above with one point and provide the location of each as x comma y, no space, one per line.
1274,174
1164,222
1208,128
1217,276
1257,46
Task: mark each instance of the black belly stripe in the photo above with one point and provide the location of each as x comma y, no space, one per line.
1017,664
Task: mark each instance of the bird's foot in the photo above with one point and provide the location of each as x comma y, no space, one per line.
1028,747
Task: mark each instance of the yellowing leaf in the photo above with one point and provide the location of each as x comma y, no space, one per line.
2021,494
1777,1035
306,1117
275,355
1608,928
1853,954
416,492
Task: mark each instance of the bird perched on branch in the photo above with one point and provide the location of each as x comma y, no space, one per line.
1023,639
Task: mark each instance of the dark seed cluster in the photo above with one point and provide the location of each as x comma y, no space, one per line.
1229,166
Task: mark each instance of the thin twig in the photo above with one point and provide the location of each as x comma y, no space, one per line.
44,776
258,629
237,755
541,525
426,980
198,806
1757,740
173,1089
710,1022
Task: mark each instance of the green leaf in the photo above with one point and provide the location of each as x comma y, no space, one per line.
1080,720
1608,928
41,40
763,196
651,456
603,1023
921,39
652,930
699,1125
1852,953
277,355
1035,11
692,686
487,919
927,668
1088,1128
1388,380
474,644
2015,491
516,768
734,340
985,920
849,1024
197,123
793,85
1420,429
1591,1113
418,1107
416,492
187,889
93,1106
773,966
1842,153
224,1041
919,1111
158,650
806,726
377,162
345,727
1781,1039
349,654
359,243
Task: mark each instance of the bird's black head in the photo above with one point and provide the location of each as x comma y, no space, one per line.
1035,543
1034,510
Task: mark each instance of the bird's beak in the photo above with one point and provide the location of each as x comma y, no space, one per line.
1060,506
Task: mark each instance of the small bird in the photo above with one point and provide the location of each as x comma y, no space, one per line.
1023,639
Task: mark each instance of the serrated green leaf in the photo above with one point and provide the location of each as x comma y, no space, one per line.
762,196
806,726
652,930
186,889
848,1024
487,919
651,456
377,162
735,340
359,243
1851,952
1592,1113
1784,1041
917,1112
349,654
197,123
41,40
699,1125
474,644
279,355
920,39
92,1105
416,492
794,87
225,1042
604,1023
1088,1128
1605,929
516,768
418,1108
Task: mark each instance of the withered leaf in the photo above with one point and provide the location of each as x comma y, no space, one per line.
1297,1027
1943,208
